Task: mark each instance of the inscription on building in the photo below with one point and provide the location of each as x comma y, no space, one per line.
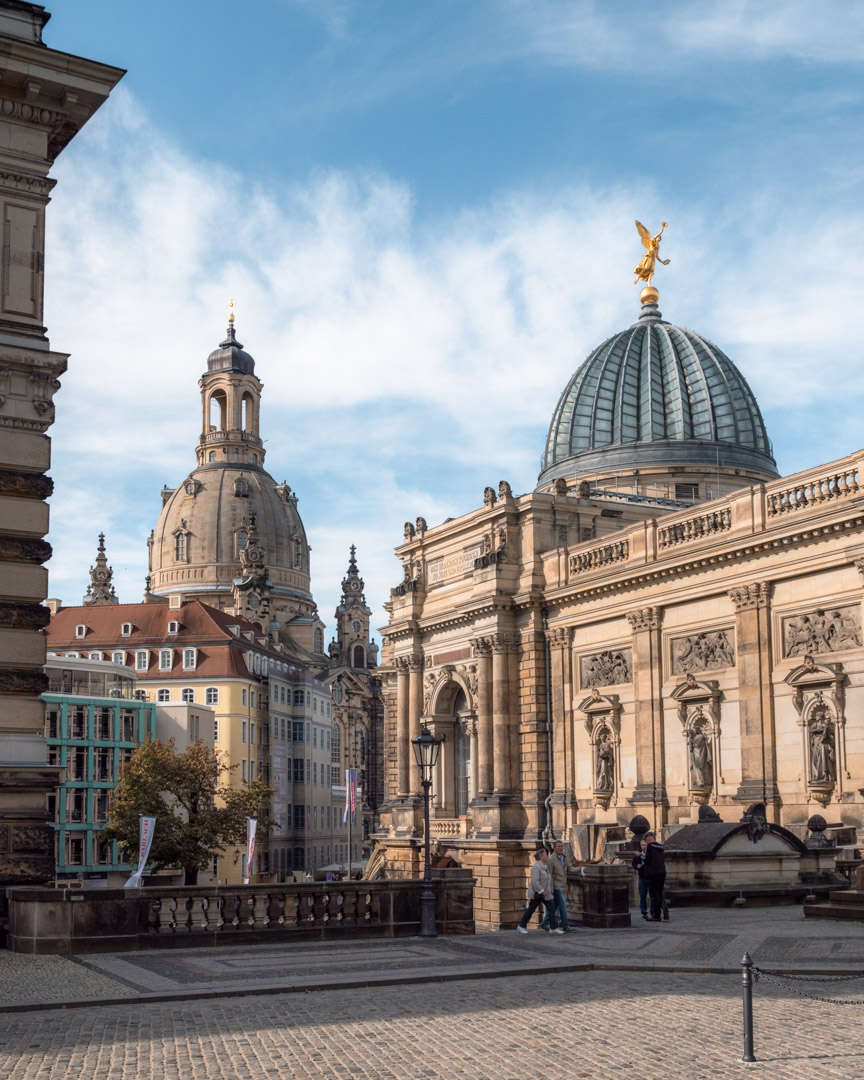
452,566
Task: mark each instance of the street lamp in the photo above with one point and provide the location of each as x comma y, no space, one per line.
426,750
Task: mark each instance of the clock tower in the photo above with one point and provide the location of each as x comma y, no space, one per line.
100,591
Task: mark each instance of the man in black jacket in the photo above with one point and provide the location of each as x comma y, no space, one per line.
654,869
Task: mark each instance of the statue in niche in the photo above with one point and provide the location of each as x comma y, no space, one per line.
823,768
700,757
605,764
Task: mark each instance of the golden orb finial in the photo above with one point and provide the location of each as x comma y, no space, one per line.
230,312
645,270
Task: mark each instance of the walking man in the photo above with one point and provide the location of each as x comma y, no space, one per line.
655,872
639,867
557,867
540,890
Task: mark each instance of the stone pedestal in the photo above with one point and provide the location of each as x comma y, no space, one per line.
605,895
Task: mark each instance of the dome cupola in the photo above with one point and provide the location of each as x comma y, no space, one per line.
657,409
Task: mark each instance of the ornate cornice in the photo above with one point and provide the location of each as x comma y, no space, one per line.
756,594
26,185
31,114
647,618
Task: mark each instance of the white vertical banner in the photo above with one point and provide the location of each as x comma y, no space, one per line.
251,827
145,839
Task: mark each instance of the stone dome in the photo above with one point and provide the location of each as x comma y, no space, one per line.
212,510
660,398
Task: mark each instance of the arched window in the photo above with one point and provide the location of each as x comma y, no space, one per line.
241,537
211,456
336,756
241,487
181,547
247,406
319,639
211,695
359,657
217,411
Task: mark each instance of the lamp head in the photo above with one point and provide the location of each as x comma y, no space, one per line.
426,750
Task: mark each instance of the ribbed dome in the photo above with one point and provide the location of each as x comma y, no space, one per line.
659,396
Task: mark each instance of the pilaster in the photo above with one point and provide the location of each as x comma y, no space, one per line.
649,795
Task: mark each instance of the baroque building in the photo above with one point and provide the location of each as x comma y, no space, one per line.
662,623
46,98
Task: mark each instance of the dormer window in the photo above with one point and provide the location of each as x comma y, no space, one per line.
192,487
241,488
190,659
173,627
126,629
166,659
80,631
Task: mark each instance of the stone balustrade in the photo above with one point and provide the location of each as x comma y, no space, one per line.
449,828
70,921
821,489
695,527
603,555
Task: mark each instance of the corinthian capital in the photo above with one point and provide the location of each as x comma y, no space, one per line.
754,595
415,661
646,618
559,637
401,664
502,643
481,646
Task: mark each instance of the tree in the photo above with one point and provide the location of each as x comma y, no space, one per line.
196,816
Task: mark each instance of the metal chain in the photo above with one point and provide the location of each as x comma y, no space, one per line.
809,978
800,993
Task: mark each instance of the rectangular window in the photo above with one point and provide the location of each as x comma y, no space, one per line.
315,737
243,696
142,660
328,710
687,492
75,850
104,765
163,695
103,722
126,629
298,697
211,695
243,770
166,659
103,854
315,705
100,805
190,658
252,771
315,773
299,860
315,816
328,740
78,728
252,734
308,697
298,771
299,817
76,801
119,657
243,733
52,724
187,695
308,733
127,724
298,731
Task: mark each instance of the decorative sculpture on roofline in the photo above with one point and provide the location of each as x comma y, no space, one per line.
645,270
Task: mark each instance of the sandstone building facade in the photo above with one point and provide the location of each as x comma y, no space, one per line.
47,96
662,623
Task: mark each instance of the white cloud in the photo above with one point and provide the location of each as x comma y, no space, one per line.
406,363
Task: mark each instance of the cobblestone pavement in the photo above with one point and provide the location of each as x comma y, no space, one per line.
697,940
596,1025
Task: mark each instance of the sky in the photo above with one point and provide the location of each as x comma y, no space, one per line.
424,212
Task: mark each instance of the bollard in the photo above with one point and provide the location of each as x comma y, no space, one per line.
747,993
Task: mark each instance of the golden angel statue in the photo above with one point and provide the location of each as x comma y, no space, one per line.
645,270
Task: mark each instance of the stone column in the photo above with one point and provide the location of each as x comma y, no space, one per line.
485,778
755,695
649,794
415,697
563,763
403,746
501,726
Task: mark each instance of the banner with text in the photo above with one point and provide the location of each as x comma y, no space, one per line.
251,829
146,829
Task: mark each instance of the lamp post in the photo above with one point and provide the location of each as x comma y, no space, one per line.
426,750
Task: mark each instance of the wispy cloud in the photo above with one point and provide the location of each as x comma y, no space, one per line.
407,363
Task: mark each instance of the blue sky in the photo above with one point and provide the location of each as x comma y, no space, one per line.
424,211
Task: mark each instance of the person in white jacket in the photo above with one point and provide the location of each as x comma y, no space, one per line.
540,890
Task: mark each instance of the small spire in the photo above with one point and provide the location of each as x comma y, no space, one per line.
100,591
352,561
230,312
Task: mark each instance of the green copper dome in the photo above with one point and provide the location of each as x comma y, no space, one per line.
656,395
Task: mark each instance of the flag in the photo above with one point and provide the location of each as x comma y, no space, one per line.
146,828
251,828
350,794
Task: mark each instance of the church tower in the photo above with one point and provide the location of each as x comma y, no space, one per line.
100,591
352,647
229,535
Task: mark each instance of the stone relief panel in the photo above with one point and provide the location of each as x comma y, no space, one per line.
608,668
705,651
822,631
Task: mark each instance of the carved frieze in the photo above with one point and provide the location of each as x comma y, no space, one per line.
705,651
825,630
25,485
481,646
24,549
611,667
24,616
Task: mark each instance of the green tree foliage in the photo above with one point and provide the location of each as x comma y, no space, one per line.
196,815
